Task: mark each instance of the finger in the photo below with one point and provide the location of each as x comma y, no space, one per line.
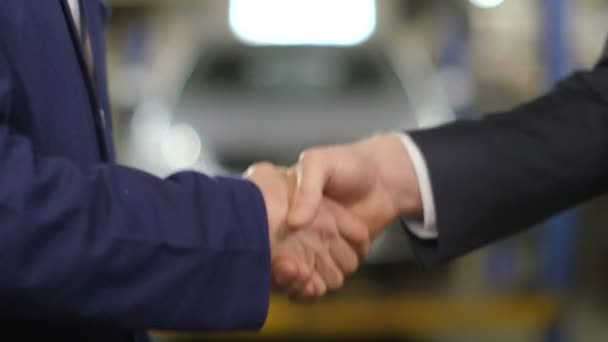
344,256
319,286
299,294
292,275
313,171
351,228
302,286
327,232
300,291
285,273
313,289
317,246
329,271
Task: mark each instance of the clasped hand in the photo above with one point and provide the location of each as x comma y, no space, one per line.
324,211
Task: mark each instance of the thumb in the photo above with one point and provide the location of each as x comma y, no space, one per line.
312,173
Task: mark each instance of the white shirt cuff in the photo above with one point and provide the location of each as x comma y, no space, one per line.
427,229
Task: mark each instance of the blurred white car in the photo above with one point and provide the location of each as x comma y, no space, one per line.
251,103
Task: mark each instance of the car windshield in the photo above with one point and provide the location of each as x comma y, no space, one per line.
289,69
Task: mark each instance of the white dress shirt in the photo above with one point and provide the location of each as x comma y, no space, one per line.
75,9
427,229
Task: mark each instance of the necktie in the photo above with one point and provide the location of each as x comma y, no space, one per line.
79,20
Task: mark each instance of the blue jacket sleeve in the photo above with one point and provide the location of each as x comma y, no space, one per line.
112,243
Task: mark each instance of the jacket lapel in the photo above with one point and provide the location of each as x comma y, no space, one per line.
96,80
93,11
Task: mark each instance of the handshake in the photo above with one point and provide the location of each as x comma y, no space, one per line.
324,211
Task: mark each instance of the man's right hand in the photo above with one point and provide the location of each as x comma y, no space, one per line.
373,178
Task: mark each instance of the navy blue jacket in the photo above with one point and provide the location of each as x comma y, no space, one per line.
492,178
92,251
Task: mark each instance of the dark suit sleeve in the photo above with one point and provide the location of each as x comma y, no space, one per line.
494,177
114,244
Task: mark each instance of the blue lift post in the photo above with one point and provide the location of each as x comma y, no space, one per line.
456,48
558,236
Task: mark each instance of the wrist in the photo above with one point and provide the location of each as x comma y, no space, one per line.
396,172
264,177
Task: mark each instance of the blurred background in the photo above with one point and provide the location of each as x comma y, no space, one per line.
215,85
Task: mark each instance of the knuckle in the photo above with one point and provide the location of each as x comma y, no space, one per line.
311,155
329,233
263,165
259,167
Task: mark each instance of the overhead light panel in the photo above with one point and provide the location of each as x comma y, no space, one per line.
486,3
303,22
